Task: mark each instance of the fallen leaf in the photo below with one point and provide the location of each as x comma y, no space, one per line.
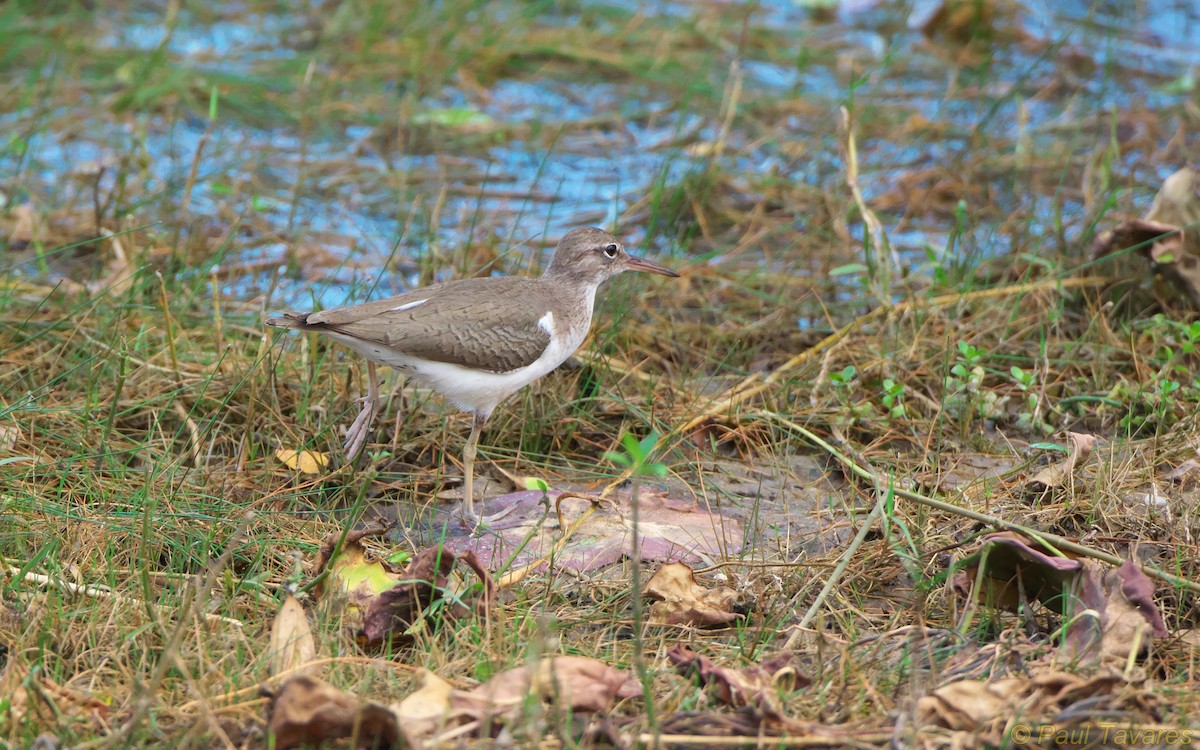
349,572
576,683
756,686
670,529
681,600
308,711
1056,475
427,710
1114,617
973,706
1166,235
384,603
391,613
292,644
1106,612
982,711
1011,565
305,462
8,437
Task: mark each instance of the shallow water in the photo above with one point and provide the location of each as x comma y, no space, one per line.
516,162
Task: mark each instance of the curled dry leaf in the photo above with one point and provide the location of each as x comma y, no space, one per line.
305,462
681,600
1013,565
1115,615
1056,475
349,572
389,615
382,603
308,711
1167,234
972,706
1107,613
756,686
292,644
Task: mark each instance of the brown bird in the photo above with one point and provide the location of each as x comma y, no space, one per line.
477,341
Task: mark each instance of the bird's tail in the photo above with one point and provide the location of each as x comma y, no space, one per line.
290,320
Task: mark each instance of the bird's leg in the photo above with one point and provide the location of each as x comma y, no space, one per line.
477,423
356,436
468,456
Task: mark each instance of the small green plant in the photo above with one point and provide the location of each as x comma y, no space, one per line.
845,377
892,398
637,459
636,456
1175,354
1030,418
965,395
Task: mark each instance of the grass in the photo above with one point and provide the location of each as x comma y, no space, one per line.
143,511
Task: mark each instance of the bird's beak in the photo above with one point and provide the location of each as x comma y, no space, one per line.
641,264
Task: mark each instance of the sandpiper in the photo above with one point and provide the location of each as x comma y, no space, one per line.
477,341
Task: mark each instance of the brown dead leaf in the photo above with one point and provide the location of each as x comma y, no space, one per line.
8,437
972,706
1014,565
305,462
292,644
427,710
756,686
1107,612
382,603
983,710
1167,235
681,600
1115,616
390,614
575,683
308,711
1056,475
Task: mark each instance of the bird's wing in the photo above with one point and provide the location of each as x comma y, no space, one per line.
463,323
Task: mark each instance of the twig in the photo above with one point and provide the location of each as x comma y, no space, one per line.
836,576
101,592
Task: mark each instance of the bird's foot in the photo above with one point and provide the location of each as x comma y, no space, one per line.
356,435
479,522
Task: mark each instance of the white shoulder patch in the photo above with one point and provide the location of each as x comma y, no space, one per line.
546,323
408,305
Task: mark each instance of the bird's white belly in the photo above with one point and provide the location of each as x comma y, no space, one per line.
470,390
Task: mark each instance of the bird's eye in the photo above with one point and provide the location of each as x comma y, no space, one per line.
610,250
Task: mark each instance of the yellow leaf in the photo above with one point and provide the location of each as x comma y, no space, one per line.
534,483
306,462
